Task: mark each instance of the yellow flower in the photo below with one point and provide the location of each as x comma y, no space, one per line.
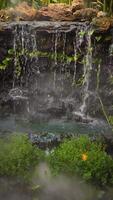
84,156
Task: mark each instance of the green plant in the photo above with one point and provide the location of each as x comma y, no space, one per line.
18,157
3,4
82,157
111,120
16,58
103,5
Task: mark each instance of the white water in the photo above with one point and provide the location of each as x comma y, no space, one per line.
86,75
25,40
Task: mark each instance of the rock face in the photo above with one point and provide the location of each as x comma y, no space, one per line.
55,70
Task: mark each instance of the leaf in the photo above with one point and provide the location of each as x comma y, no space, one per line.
82,33
98,38
10,51
35,187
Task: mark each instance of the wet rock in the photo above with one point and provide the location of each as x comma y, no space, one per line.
57,110
77,5
86,14
79,117
108,140
48,140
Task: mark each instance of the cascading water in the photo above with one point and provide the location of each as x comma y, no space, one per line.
87,68
28,52
87,71
52,77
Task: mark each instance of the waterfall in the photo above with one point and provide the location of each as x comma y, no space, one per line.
27,52
87,68
87,72
77,42
24,44
56,36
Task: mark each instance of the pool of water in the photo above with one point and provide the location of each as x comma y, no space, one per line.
15,123
60,188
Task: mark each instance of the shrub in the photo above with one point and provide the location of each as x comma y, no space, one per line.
18,157
103,5
82,157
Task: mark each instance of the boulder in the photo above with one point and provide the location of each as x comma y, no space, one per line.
77,5
86,14
55,12
20,12
102,23
4,16
101,14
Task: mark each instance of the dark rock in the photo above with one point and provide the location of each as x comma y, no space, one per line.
48,140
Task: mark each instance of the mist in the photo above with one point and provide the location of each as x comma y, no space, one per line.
46,187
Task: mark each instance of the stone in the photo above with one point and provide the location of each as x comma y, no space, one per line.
86,14
55,12
4,16
77,5
101,14
20,12
102,23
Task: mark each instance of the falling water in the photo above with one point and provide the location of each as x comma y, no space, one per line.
87,68
79,39
55,52
64,63
87,72
26,44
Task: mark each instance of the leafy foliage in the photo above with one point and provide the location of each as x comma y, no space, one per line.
18,157
104,5
85,158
